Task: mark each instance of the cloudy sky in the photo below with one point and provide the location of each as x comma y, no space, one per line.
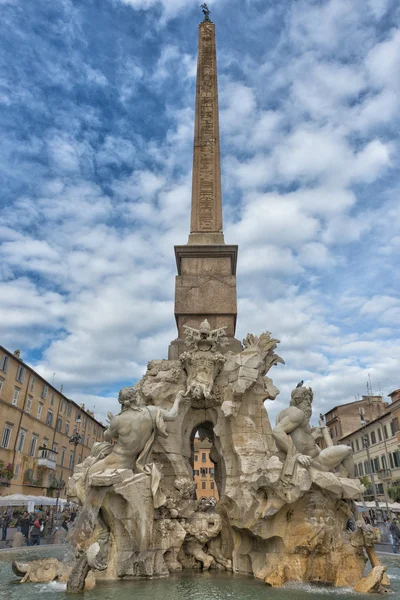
97,108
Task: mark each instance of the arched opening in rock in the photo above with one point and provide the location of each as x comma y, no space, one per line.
206,463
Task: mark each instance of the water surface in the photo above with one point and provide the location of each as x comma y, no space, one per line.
187,586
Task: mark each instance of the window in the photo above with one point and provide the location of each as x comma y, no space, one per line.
69,410
5,361
357,446
20,374
373,437
49,418
391,461
88,440
39,410
1,383
52,399
90,426
21,440
59,424
203,472
45,391
196,457
379,434
383,461
15,396
376,464
203,485
211,485
196,472
366,467
379,488
5,440
16,472
78,415
203,457
385,433
28,405
372,466
32,449
394,425
55,447
355,471
32,384
79,459
396,459
71,459
63,451
352,446
67,428
211,471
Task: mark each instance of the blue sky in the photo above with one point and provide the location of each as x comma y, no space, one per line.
96,117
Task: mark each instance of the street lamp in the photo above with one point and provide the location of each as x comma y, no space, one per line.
75,439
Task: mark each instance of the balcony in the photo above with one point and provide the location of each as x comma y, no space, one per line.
384,474
47,458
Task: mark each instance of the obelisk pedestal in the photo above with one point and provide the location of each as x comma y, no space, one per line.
206,283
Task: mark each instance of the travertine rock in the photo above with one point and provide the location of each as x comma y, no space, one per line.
372,582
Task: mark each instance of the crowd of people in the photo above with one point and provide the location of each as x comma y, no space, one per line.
36,525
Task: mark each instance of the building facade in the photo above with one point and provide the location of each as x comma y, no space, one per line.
203,471
376,451
36,424
345,419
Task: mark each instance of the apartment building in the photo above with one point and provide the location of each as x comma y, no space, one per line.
345,419
376,449
36,425
203,470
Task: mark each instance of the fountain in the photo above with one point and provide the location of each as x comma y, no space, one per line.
286,493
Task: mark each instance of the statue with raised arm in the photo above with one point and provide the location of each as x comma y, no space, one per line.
134,429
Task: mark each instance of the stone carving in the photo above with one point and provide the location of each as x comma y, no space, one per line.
301,462
372,582
294,437
284,500
202,362
46,570
134,430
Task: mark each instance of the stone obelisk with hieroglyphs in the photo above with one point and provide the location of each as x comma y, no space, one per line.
206,282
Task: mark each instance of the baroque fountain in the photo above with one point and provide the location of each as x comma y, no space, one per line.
286,492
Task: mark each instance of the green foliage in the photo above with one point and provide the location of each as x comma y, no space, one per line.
394,491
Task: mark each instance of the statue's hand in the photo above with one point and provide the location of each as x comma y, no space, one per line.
110,416
304,461
183,395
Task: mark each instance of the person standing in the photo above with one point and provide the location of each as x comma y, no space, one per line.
36,532
25,524
394,531
5,522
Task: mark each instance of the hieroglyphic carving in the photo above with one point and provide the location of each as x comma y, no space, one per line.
206,209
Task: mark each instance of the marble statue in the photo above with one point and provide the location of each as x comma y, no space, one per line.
134,430
294,437
284,499
202,362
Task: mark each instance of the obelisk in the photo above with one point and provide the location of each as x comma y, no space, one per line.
206,283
